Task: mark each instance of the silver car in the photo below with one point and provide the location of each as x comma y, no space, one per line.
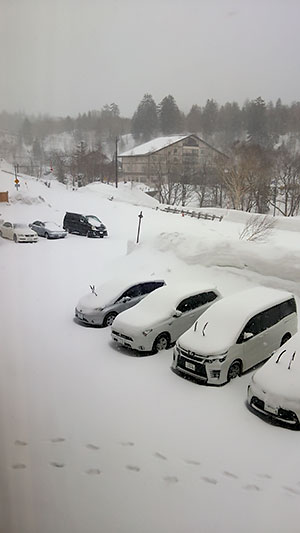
104,303
50,230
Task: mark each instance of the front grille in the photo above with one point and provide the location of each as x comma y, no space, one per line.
122,335
200,369
192,355
283,415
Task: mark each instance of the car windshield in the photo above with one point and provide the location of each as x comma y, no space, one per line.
52,226
94,220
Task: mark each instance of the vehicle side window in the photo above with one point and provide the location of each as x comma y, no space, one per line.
150,286
7,225
133,292
287,308
188,304
211,296
270,317
253,327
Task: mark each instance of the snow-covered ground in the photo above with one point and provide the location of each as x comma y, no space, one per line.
94,439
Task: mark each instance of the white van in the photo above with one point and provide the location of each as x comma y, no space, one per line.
274,392
235,334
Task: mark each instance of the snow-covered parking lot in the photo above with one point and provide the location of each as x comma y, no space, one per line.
94,439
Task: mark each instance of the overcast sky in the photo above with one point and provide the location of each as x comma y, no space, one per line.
65,57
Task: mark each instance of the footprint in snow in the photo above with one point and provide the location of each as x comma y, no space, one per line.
230,474
210,480
171,479
291,490
134,468
56,464
93,472
252,487
57,439
20,442
265,476
18,466
127,443
160,456
92,447
192,462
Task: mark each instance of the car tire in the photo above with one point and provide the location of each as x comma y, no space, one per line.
162,342
109,318
285,338
46,235
15,238
235,370
0,233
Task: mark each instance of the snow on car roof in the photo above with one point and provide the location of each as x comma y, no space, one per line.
161,304
224,320
110,291
280,375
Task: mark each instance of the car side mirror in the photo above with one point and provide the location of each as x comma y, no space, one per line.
177,313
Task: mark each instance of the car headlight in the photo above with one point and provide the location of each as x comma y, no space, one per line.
219,359
94,228
147,331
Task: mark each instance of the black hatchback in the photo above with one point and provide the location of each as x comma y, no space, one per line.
88,225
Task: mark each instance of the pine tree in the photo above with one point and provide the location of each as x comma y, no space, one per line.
145,121
170,116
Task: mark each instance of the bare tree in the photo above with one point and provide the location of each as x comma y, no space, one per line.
286,183
257,228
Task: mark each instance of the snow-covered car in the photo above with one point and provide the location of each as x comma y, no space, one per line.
237,333
156,322
101,306
17,232
47,229
274,391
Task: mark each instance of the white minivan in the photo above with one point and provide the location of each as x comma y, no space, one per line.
274,392
235,334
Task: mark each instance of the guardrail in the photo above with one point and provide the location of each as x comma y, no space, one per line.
193,214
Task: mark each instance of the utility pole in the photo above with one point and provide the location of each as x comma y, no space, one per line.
116,162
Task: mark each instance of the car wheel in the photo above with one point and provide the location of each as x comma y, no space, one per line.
47,235
285,338
0,233
108,320
235,370
15,238
161,342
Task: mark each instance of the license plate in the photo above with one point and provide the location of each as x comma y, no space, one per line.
271,409
189,366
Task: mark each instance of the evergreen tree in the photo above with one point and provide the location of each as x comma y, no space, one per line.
193,119
169,116
145,121
209,117
26,131
256,122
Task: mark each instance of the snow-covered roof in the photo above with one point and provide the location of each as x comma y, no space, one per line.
154,145
160,304
225,319
275,377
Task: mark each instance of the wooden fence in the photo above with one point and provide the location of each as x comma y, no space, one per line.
193,214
